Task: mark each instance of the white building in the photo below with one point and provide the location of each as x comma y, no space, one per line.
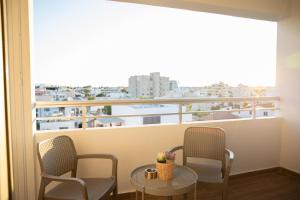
139,86
259,113
242,91
54,93
149,109
219,90
148,86
56,125
44,97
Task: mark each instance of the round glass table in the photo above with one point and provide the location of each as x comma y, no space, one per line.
184,180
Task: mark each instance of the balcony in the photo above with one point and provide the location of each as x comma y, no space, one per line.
255,140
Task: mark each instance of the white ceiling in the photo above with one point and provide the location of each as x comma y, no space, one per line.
273,10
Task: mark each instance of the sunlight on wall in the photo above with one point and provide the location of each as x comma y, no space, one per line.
293,61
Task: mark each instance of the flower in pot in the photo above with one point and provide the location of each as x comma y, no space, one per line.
161,157
165,165
170,156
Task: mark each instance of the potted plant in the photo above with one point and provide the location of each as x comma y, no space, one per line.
165,165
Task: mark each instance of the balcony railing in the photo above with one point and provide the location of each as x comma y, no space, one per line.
84,117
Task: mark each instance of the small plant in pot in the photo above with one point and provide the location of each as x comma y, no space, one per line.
165,165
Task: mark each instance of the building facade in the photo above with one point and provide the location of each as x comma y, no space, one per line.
148,86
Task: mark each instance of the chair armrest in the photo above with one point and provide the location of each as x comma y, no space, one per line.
103,156
230,155
229,160
66,180
176,148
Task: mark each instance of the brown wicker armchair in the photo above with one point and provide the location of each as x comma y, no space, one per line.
209,143
57,156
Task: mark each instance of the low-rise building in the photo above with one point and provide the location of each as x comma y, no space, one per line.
154,110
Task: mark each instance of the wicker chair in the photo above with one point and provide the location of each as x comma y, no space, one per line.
208,143
57,156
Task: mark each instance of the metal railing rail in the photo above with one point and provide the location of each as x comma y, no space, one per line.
47,104
180,102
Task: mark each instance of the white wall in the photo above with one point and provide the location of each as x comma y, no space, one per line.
256,145
20,112
288,82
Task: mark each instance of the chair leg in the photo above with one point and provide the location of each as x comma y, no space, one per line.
115,193
224,194
42,190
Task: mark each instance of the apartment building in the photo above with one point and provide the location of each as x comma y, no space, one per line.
148,86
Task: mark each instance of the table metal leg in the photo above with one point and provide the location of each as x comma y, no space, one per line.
143,193
195,192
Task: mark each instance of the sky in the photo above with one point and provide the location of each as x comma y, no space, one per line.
103,43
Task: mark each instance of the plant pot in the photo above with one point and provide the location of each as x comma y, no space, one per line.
165,170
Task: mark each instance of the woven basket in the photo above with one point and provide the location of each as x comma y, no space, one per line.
165,170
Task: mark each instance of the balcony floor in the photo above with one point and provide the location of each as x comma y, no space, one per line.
271,185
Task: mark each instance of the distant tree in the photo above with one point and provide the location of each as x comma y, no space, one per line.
246,104
87,92
200,115
144,97
100,95
189,107
107,110
123,90
260,91
215,108
90,98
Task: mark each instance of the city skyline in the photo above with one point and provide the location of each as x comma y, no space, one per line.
180,86
194,48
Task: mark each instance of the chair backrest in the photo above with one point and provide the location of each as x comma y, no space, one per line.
204,142
57,156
